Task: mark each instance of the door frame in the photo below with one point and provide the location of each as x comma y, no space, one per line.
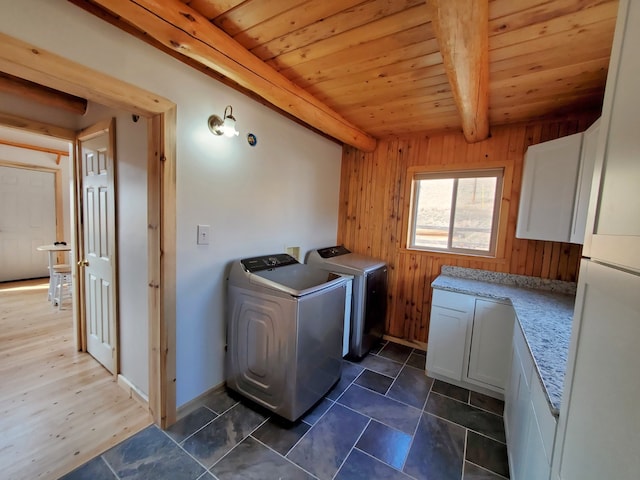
35,64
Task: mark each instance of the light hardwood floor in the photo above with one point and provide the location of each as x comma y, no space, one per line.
58,407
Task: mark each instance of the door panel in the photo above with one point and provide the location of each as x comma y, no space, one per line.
96,146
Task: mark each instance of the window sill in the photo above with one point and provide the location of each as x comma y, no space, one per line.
455,255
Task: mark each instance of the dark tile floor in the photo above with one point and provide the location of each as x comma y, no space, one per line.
384,419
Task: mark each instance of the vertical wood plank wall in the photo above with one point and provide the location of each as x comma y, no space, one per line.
374,208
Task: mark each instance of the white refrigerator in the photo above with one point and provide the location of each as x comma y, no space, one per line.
598,433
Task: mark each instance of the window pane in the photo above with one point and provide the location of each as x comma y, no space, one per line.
474,213
433,212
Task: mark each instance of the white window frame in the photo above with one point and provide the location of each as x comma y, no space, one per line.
456,175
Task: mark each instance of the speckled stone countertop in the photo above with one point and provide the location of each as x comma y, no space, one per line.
544,309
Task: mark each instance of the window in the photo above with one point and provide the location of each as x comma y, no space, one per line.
456,211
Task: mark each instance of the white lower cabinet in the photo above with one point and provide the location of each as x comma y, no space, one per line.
470,341
529,423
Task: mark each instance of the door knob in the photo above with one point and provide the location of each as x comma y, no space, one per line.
83,263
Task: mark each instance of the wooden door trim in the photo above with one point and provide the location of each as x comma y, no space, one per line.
35,64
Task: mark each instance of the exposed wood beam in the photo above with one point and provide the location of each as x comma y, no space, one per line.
29,125
44,95
182,29
462,29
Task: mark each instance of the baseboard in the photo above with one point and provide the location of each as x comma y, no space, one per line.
133,391
187,408
406,343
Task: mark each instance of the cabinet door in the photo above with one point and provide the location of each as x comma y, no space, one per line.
616,237
585,178
517,413
548,189
535,465
491,340
447,336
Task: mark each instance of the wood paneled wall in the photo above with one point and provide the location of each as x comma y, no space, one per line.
374,209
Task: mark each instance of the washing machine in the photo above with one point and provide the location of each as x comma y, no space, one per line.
369,293
284,332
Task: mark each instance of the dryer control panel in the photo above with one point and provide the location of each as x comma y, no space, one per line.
333,251
266,262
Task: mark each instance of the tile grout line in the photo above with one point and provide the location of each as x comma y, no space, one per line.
487,470
464,452
310,427
381,461
288,460
352,447
108,465
185,451
413,437
250,434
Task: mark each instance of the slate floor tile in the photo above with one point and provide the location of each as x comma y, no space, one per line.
377,347
487,403
312,416
474,472
152,454
220,400
417,360
327,444
95,469
381,365
360,466
466,415
385,443
190,424
487,453
280,435
349,373
251,460
209,444
437,450
374,381
385,410
396,352
411,387
451,391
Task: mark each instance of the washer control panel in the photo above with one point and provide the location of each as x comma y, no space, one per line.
266,262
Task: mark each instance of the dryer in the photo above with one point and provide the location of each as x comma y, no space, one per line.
284,332
369,293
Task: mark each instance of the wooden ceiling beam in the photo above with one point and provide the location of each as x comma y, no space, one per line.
44,95
462,30
179,27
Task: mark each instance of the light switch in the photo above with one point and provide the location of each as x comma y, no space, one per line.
203,234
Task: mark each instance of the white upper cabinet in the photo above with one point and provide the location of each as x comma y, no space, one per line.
549,183
585,179
616,231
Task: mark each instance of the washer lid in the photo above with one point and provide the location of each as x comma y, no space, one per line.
351,263
296,279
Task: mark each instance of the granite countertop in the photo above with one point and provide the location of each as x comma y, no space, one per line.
544,309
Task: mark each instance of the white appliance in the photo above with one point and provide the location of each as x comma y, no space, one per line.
599,423
284,332
369,295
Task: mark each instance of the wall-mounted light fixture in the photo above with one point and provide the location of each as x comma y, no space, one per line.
224,126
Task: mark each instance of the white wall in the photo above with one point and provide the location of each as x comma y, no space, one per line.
283,192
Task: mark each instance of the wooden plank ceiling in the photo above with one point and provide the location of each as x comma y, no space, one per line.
377,64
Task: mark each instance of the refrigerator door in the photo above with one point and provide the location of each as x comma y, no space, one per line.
599,424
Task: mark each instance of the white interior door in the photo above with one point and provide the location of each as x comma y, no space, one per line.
27,220
96,145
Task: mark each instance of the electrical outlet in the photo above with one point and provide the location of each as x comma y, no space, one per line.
203,234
